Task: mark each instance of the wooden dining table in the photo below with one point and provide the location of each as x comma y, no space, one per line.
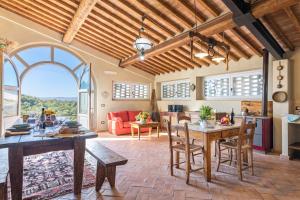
209,135
35,143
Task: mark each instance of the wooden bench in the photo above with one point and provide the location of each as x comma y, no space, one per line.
3,173
107,160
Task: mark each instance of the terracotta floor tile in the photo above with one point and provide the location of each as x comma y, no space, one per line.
146,176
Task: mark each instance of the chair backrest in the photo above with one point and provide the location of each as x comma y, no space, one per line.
246,133
175,138
183,118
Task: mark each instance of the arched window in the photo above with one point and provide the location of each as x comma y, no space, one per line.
27,58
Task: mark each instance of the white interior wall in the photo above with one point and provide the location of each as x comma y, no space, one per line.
26,32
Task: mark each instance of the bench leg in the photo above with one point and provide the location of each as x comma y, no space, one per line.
111,175
100,176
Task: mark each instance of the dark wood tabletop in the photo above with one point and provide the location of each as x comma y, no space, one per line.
25,145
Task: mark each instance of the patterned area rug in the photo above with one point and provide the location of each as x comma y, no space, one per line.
50,175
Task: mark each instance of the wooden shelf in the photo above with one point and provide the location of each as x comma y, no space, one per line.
295,146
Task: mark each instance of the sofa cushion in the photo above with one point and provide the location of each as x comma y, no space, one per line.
126,124
124,116
132,115
114,114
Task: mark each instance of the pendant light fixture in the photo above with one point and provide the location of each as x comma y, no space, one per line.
141,43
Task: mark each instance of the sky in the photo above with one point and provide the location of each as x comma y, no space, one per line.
48,80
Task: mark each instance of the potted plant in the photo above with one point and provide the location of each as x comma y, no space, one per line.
205,114
142,117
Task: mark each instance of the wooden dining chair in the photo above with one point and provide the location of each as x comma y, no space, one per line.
241,145
184,118
178,145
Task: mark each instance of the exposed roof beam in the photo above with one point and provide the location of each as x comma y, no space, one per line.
84,9
276,30
209,27
243,17
271,6
293,17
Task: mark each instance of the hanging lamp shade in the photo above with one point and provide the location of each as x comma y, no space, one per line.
142,44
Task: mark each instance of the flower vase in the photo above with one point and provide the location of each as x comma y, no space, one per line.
203,124
143,121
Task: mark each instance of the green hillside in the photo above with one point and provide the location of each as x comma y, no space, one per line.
34,105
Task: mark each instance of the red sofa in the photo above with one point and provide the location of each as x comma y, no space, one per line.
119,122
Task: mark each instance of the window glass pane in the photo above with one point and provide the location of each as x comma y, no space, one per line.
85,80
35,54
10,76
83,102
130,91
79,71
10,104
176,89
66,58
247,85
218,87
20,67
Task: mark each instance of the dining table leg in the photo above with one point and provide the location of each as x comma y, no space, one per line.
79,151
16,171
207,157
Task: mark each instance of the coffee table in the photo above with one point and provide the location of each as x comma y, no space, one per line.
138,126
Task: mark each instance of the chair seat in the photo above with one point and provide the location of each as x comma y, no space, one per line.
193,147
233,144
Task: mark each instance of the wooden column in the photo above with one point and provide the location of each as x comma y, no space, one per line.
1,91
265,82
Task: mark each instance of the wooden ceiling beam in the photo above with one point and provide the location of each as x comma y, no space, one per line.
134,20
84,9
102,49
154,67
177,55
213,11
172,65
61,10
246,41
153,22
114,26
123,23
292,16
93,21
144,68
271,6
158,15
161,64
33,18
104,40
191,10
32,14
179,17
209,27
176,59
276,30
243,17
65,6
157,66
98,42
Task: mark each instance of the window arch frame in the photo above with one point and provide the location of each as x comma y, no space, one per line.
28,67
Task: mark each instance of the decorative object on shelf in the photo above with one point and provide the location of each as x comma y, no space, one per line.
141,43
280,96
192,87
279,77
142,117
213,46
205,115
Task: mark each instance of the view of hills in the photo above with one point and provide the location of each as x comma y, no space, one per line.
62,106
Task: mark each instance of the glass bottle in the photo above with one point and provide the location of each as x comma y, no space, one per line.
232,117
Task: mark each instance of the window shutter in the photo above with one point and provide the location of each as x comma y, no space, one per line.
130,91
